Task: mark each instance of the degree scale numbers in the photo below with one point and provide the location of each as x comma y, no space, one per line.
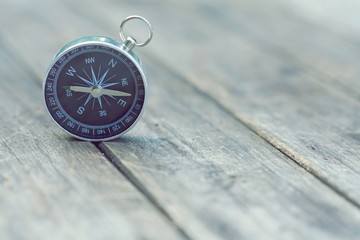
95,89
101,92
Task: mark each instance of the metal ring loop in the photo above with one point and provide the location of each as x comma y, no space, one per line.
122,36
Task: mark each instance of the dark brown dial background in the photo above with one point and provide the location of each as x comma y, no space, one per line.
80,113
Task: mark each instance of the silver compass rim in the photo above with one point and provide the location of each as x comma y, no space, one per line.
111,43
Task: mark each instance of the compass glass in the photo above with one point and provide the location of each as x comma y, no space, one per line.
95,91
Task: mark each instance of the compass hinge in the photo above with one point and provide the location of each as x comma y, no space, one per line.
129,44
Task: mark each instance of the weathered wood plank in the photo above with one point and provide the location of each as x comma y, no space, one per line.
219,176
310,34
312,123
52,187
212,179
334,52
342,16
227,181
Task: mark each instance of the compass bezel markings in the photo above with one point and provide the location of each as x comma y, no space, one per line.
137,76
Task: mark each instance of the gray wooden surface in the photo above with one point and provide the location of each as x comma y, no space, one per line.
252,130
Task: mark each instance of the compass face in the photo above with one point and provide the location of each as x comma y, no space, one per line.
95,91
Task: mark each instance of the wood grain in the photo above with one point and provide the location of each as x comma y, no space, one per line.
191,156
310,121
322,43
53,187
328,45
228,179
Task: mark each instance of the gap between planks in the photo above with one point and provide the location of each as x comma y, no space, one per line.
253,128
242,120
108,154
270,48
126,172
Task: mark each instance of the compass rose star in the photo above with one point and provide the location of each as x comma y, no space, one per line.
101,80
97,88
100,102
88,99
94,80
85,80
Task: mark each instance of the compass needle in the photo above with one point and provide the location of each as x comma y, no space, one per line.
79,89
96,89
115,93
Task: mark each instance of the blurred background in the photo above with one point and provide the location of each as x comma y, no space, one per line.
221,40
284,74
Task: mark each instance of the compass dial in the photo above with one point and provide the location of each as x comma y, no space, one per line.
95,91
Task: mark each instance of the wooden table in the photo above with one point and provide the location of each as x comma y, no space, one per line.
252,130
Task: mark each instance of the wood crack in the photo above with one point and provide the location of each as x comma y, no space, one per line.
258,132
139,186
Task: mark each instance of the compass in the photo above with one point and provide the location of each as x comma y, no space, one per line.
95,88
